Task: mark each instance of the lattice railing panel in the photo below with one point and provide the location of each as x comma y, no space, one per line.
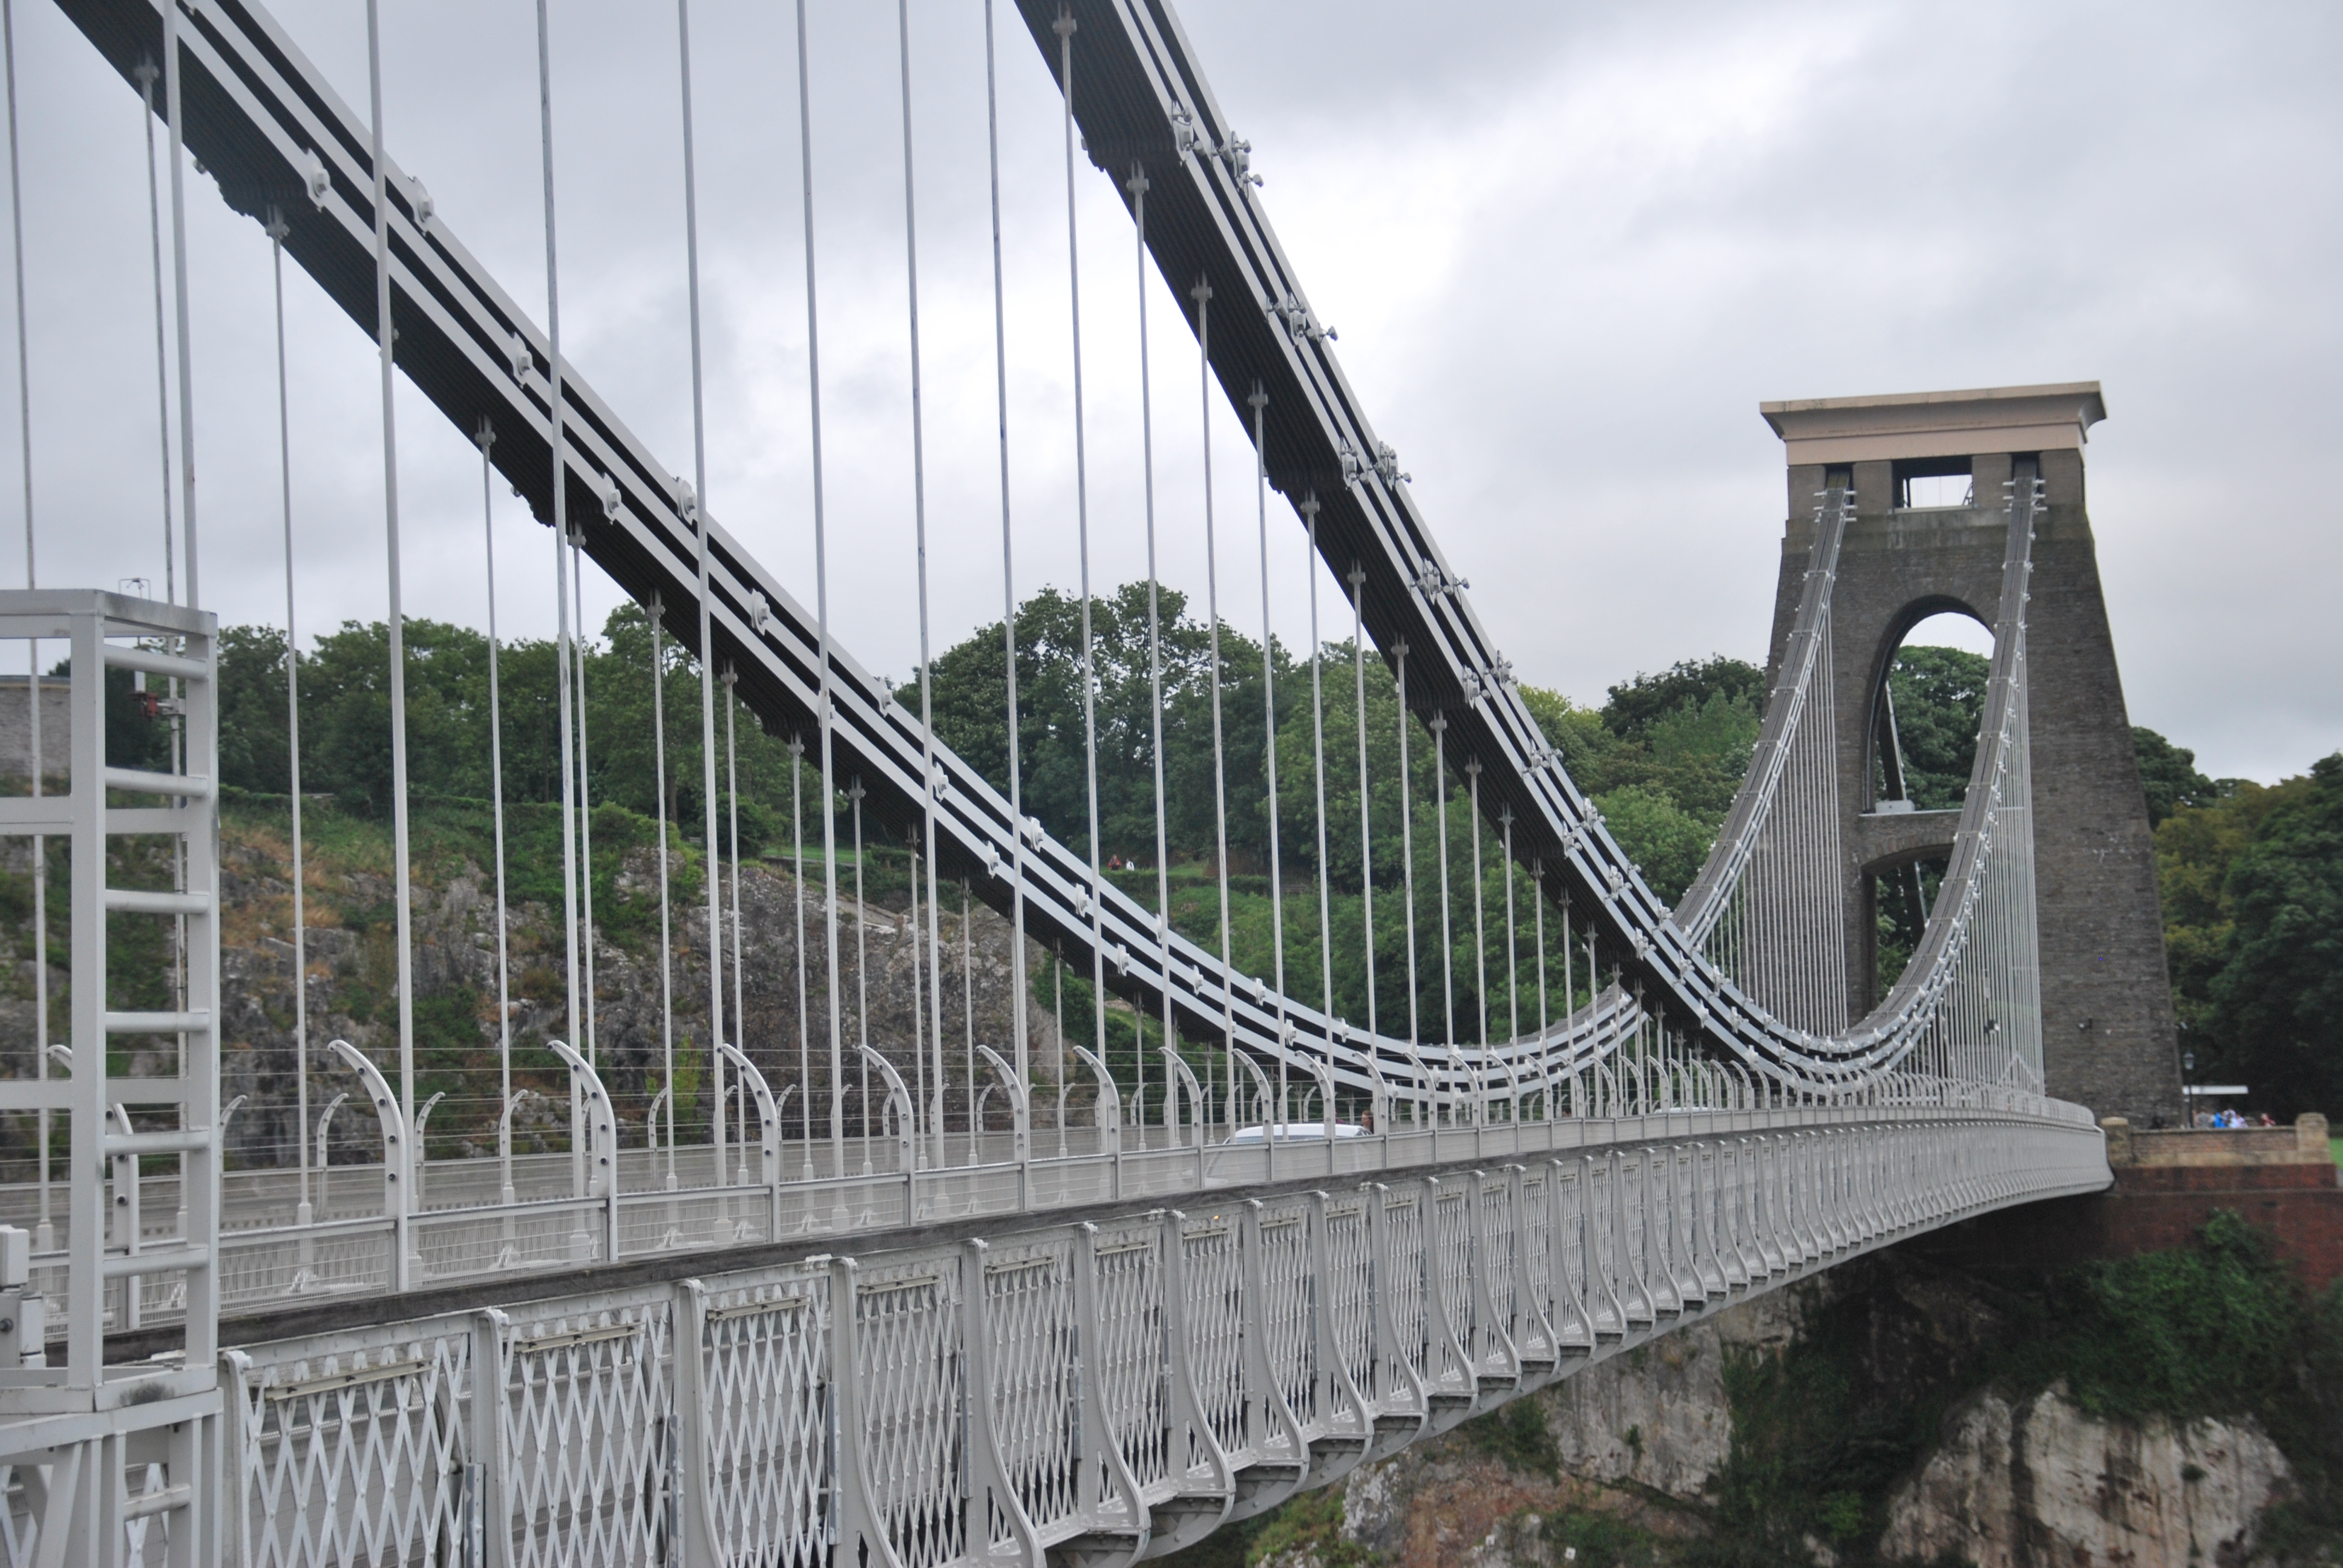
1215,1304
911,1384
1028,1297
357,1456
591,1431
1132,1364
769,1467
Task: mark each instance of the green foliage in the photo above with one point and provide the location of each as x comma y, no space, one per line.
2168,776
2213,1329
1663,758
1668,843
1813,1455
2219,1328
970,688
1601,1540
2253,909
1516,1433
1939,705
1637,707
345,691
1843,1517
1313,1523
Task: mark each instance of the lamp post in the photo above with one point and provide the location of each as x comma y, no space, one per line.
2187,1077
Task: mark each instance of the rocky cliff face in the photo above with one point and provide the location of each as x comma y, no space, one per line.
1641,1439
2038,1483
1701,1448
352,987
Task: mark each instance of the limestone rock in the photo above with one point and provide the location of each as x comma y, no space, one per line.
2039,1482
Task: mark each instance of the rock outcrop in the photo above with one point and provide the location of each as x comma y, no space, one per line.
2038,1482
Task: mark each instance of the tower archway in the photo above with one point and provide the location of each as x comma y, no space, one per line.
1929,473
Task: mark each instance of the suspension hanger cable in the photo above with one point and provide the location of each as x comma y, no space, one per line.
927,672
861,973
1545,1041
578,648
44,1238
564,636
487,437
1259,400
1439,728
1064,27
1310,571
1423,1100
385,336
1009,639
696,512
1058,1000
732,805
658,611
968,1012
1480,944
277,229
825,714
1513,949
1480,925
920,1123
1137,186
148,74
805,1024
1358,580
1202,295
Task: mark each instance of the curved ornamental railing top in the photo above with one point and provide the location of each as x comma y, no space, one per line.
274,133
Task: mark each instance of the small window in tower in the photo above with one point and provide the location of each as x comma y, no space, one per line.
1926,483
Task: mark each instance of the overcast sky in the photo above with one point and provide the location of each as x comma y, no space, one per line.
1568,249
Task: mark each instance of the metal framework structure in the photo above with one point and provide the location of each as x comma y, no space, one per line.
77,1419
1078,1373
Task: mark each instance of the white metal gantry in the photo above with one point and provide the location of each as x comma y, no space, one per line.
118,1460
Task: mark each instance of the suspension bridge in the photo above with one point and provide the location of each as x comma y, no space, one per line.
873,1326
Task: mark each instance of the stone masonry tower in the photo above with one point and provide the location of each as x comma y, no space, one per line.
2108,1040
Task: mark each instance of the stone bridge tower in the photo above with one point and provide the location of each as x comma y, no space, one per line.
2108,1039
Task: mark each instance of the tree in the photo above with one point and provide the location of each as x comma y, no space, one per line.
2169,776
1939,707
2276,1004
1635,706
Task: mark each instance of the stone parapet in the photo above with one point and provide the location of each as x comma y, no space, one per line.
2219,1148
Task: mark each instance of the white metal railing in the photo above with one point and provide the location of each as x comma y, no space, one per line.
352,1248
1106,1388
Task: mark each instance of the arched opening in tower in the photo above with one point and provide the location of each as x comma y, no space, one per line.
1924,721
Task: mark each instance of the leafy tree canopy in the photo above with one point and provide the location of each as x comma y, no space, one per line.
2253,908
2168,775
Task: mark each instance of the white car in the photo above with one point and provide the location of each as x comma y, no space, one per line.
1296,1131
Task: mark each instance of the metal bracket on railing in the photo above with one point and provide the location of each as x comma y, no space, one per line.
769,1138
906,1159
1108,1114
397,1157
589,1105
1021,1101
1270,1111
586,1084
1324,1071
1187,1081
768,1116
